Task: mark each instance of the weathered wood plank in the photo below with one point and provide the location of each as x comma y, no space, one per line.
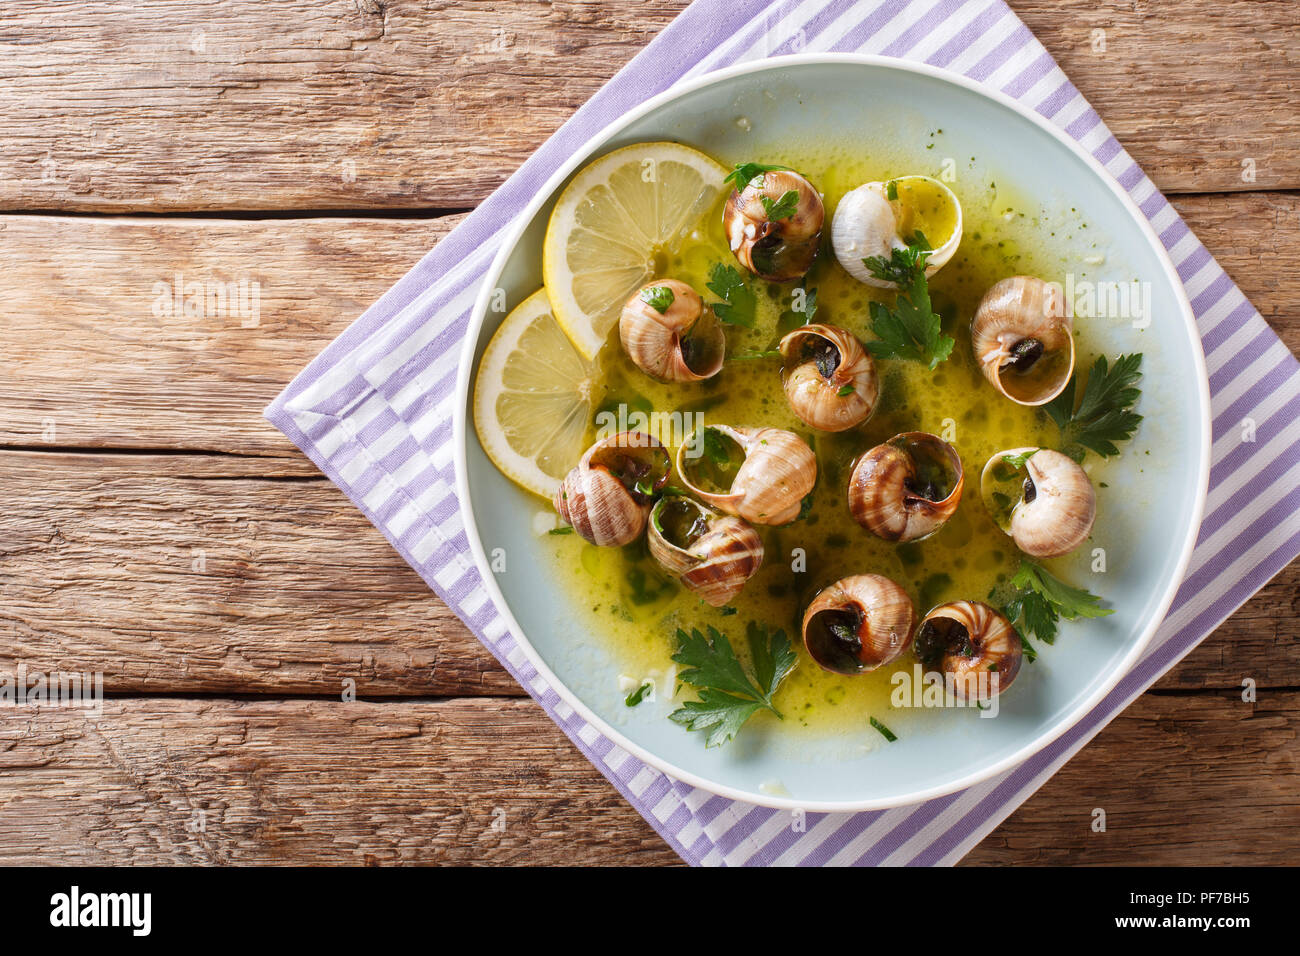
76,291
294,104
79,293
222,782
214,574
201,574
1183,780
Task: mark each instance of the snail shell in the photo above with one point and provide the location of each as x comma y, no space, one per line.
1023,341
819,363
867,223
711,554
892,487
858,623
684,343
599,497
778,249
768,488
1057,504
965,640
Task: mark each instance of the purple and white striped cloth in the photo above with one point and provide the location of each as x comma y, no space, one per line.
374,412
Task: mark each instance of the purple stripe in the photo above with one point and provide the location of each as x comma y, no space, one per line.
1230,324
1030,75
859,36
922,27
968,35
992,61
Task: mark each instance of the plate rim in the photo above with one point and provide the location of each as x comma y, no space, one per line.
592,147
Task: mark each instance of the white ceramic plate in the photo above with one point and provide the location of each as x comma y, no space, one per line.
1150,512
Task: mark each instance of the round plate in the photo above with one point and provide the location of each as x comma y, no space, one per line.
1151,509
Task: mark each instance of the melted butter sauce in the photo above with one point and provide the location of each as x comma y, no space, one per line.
622,598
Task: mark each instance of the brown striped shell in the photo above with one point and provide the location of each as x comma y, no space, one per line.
600,497
858,624
830,379
893,486
684,343
781,249
974,646
1022,337
768,488
710,553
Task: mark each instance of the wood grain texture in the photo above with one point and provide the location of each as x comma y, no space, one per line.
351,104
199,574
78,290
1182,780
164,781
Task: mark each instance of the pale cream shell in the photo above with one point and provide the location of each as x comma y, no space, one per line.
865,224
1015,309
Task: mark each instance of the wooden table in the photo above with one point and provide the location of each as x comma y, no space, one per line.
156,529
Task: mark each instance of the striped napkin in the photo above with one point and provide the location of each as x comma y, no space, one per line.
374,412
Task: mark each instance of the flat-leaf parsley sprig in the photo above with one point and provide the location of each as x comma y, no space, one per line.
746,173
911,329
728,694
1105,414
738,304
1034,601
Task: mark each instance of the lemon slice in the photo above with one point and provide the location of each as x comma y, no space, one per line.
532,398
613,226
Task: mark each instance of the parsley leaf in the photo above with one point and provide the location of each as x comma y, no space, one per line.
845,390
911,329
728,694
638,695
1017,462
884,731
1035,601
1105,414
745,173
738,302
658,297
782,208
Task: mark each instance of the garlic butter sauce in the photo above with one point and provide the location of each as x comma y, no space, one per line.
621,597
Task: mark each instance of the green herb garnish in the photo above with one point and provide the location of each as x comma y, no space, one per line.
638,695
1105,414
911,329
891,189
658,297
728,694
884,731
1035,601
567,529
746,173
1018,461
738,303
782,208
845,390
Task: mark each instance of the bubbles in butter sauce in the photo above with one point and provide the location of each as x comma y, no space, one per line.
620,596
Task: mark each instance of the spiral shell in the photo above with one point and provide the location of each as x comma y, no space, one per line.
710,553
1057,503
780,249
1022,337
867,223
600,497
892,486
858,623
684,343
768,488
975,647
830,379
